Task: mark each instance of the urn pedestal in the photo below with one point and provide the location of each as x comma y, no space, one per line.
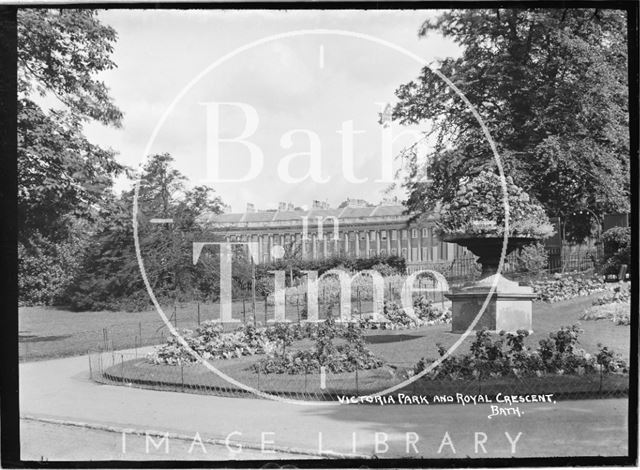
509,307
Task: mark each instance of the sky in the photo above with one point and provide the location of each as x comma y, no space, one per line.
277,138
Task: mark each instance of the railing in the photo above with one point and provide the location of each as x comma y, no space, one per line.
134,369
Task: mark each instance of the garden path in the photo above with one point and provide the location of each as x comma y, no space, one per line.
60,389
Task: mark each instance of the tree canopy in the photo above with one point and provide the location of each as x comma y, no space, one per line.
551,87
61,174
110,274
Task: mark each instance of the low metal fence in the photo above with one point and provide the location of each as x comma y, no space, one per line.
134,369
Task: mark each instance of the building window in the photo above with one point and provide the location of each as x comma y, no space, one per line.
442,251
425,233
372,235
404,253
383,252
414,233
372,253
425,253
394,251
394,235
363,235
383,235
404,234
352,235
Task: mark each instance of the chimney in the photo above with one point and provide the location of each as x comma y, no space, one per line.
250,207
290,206
282,206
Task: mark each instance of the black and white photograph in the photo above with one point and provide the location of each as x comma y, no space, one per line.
289,236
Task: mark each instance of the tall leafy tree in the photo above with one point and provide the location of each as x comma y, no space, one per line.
61,174
64,181
111,275
551,86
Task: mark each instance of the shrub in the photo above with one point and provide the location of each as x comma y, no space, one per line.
341,358
567,286
46,269
209,341
532,258
617,249
385,270
617,312
397,318
555,355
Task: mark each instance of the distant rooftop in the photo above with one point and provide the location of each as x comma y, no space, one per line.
286,217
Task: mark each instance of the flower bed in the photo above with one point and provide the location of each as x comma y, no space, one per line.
615,306
568,286
556,355
209,341
619,294
396,318
341,358
619,313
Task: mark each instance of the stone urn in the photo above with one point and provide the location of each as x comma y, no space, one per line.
510,305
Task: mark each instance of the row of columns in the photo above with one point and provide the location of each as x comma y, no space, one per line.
319,246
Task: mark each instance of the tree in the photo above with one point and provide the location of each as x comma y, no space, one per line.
64,181
111,277
551,87
61,174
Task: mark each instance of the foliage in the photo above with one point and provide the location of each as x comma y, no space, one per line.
63,179
321,266
209,341
110,273
396,317
617,312
385,270
550,85
348,357
556,355
47,269
621,293
617,248
564,287
615,306
478,209
532,259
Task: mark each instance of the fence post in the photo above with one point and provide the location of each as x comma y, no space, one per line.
198,313
265,310
244,311
175,315
182,375
122,367
90,369
298,307
600,387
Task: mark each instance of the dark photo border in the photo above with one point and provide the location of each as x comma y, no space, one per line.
10,435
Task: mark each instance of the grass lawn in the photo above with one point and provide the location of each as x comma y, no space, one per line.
404,347
49,332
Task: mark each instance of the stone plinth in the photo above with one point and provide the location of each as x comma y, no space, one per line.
509,308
